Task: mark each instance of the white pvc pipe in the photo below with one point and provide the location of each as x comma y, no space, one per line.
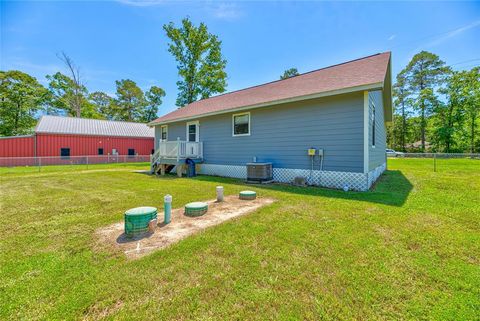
219,193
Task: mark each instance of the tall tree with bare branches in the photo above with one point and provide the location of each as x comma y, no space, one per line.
77,84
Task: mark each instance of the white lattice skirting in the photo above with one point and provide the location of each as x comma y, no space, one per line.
330,179
373,175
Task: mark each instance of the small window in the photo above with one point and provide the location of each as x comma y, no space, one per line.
100,151
131,152
164,133
241,124
114,151
373,125
65,152
192,132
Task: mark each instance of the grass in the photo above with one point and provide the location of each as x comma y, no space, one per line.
407,250
73,167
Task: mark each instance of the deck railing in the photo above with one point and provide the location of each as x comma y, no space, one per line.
178,150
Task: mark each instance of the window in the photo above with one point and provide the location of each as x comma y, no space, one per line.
114,151
373,125
65,152
192,131
163,133
131,152
241,124
100,151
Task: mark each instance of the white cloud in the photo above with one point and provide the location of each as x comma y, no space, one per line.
219,10
29,67
227,11
451,34
142,3
392,37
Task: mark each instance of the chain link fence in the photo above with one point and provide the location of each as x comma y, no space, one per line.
440,155
441,161
27,164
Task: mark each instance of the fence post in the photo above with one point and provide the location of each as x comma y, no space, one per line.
87,162
39,164
434,162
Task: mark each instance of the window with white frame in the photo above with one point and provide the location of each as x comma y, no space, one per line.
241,124
163,133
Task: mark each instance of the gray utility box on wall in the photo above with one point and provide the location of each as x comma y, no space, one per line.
259,172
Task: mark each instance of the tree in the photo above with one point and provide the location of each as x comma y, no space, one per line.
130,101
103,104
65,96
201,65
289,73
423,73
403,101
471,93
21,98
449,115
153,101
77,99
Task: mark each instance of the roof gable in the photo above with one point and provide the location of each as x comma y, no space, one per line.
345,77
96,127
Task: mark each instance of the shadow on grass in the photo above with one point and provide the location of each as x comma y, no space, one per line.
392,189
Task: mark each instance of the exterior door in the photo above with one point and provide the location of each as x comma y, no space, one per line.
193,137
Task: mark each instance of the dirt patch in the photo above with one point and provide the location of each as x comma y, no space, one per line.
180,226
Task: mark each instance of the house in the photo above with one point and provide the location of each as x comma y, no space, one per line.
69,136
339,110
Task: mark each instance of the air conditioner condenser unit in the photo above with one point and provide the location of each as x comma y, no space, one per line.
259,173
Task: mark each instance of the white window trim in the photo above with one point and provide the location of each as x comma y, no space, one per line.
249,124
197,136
373,125
161,128
366,128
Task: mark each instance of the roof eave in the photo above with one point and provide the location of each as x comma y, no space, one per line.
378,85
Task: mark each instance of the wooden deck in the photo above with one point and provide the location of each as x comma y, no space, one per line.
175,154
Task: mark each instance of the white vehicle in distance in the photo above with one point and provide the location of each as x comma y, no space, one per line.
392,153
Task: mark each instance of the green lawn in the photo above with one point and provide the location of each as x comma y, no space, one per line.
408,250
68,168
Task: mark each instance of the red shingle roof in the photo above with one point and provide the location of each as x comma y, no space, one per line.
361,72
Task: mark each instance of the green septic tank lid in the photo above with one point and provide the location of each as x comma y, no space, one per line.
141,210
248,193
196,205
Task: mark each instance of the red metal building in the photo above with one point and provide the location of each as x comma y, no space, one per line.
69,136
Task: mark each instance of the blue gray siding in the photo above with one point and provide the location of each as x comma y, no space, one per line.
377,154
282,134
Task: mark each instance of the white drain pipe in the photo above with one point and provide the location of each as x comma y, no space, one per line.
219,193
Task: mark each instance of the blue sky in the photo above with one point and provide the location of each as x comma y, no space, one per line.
113,40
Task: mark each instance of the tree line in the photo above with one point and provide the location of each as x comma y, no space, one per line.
201,70
437,109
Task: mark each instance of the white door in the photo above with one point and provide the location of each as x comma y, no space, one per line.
193,137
